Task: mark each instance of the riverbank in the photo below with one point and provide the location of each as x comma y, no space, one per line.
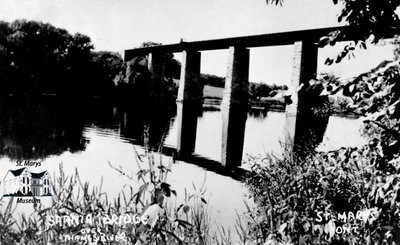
212,99
215,105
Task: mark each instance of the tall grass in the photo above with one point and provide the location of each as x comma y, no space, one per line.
169,221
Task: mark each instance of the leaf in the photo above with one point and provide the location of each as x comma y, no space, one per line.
276,2
379,194
44,210
163,238
302,241
152,213
173,192
140,192
282,228
141,173
143,187
328,61
183,223
186,209
180,206
166,188
388,227
203,200
363,45
323,41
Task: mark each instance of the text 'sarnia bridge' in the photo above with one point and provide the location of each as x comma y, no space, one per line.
235,97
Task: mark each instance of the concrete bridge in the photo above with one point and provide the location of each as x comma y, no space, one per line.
235,98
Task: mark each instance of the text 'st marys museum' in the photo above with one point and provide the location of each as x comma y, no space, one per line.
22,182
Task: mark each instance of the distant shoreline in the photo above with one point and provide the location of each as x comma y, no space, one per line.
274,108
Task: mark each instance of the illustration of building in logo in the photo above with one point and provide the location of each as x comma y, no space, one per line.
21,182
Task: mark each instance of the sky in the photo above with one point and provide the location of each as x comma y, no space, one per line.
117,25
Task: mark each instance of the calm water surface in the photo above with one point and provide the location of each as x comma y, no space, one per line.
90,137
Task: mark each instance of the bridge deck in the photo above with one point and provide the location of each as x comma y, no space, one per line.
272,39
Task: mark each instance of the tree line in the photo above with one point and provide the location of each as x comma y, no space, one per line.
38,58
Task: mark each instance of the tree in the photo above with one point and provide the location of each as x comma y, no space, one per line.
276,2
106,71
371,19
212,80
377,18
260,90
137,67
38,57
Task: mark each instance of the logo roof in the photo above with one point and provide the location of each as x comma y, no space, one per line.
17,172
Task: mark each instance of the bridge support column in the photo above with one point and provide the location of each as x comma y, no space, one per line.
234,106
304,69
189,102
156,67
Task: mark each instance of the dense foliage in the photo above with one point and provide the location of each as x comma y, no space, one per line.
351,195
37,57
370,21
315,200
257,90
343,197
135,84
212,80
376,18
291,192
366,180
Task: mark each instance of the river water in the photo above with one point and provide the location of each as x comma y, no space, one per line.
88,137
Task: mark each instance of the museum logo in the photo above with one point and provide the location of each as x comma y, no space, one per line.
23,183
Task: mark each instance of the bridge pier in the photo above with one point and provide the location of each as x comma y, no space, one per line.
156,67
304,69
189,101
234,106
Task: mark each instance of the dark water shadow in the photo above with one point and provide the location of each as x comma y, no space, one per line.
36,127
33,128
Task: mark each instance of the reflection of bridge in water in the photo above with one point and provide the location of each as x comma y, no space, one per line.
208,164
234,106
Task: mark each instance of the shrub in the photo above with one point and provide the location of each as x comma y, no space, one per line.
342,197
348,196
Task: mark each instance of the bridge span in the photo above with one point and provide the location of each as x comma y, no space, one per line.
234,105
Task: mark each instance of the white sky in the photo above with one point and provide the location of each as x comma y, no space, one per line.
123,24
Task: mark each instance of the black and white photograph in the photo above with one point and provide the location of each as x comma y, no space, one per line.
209,122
